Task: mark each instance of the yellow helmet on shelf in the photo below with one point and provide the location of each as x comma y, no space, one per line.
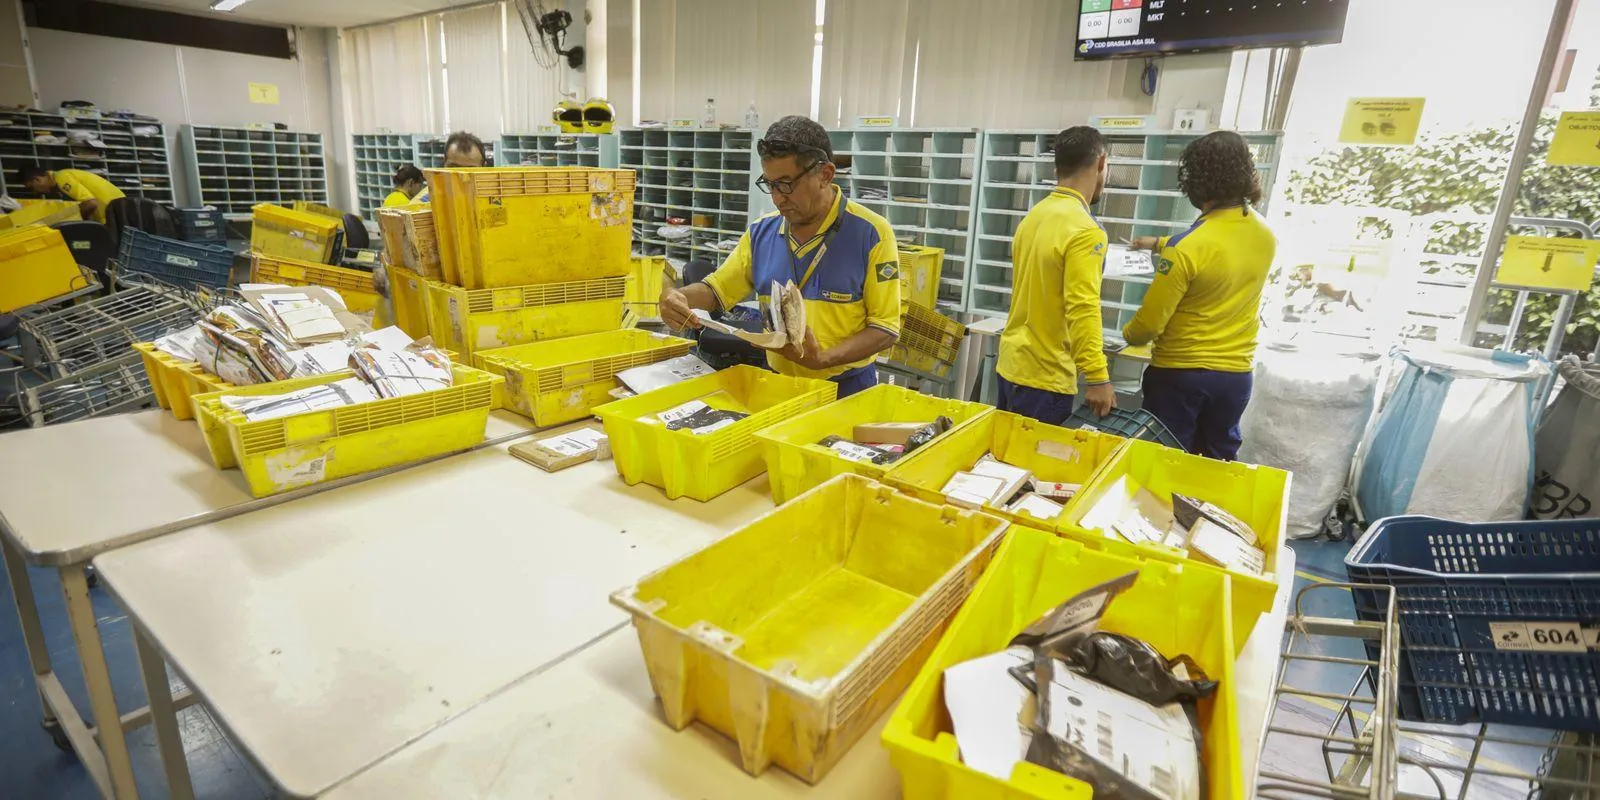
568,115
598,115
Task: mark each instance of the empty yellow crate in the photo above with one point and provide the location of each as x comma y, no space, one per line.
919,274
408,291
1256,495
474,320
511,226
929,341
286,233
703,467
1179,611
561,380
646,275
793,633
319,208
354,285
175,381
41,212
795,462
36,265
281,454
1050,452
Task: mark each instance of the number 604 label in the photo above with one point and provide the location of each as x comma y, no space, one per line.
1558,637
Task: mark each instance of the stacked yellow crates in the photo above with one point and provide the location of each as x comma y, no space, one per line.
531,254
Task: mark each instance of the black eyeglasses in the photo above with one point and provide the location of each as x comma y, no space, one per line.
784,185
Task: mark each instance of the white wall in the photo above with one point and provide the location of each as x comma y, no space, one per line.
187,85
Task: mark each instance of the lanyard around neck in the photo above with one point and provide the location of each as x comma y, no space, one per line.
822,249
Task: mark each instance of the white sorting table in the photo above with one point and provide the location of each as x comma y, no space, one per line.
76,490
590,727
327,633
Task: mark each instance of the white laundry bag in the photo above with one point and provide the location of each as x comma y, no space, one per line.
1306,415
1568,452
1455,439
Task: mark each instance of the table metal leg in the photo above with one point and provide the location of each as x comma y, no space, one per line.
97,678
163,716
28,616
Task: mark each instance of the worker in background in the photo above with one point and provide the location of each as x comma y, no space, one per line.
842,256
407,183
92,192
1202,309
462,149
1052,335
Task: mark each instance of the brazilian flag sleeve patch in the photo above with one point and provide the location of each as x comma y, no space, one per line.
889,271
1164,266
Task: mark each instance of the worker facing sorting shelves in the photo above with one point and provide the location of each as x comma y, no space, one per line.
1202,309
840,258
91,192
407,184
1052,335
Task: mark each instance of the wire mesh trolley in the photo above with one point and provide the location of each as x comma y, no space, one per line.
80,336
109,387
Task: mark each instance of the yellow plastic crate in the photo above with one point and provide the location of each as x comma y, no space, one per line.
646,275
795,462
36,265
1179,611
278,455
319,208
41,212
175,381
1050,452
561,380
792,634
286,233
920,268
1259,496
512,226
409,294
929,341
354,285
471,321
703,467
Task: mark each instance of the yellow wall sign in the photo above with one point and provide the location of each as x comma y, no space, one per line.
875,122
264,93
1122,123
1538,262
1577,140
1381,120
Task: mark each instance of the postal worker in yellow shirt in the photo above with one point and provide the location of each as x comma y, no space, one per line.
842,256
91,192
1052,335
1203,307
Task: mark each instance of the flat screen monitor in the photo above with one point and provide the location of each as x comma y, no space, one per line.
1123,28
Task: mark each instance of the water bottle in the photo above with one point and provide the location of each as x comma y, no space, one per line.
752,119
710,118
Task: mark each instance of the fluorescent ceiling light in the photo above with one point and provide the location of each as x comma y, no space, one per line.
227,5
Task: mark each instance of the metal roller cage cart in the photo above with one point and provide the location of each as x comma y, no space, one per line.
1368,751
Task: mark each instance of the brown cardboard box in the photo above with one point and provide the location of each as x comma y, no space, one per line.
556,453
886,432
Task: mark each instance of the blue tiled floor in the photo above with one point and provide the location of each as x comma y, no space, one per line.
30,764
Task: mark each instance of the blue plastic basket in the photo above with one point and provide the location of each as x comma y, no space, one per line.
1129,424
182,264
1496,618
202,225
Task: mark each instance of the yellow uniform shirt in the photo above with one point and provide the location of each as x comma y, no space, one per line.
80,186
1204,304
855,283
396,199
1053,331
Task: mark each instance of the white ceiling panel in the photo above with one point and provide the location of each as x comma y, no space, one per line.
310,13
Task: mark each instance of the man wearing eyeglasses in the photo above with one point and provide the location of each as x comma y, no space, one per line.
842,256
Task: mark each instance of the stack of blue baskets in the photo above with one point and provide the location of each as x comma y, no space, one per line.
1499,621
183,264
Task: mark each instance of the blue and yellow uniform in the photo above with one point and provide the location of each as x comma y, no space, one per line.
81,185
1053,332
848,273
1203,314
397,199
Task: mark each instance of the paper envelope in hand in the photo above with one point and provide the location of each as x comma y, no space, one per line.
785,314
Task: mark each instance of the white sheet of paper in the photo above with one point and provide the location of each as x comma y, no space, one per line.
1151,745
321,359
574,443
985,705
650,377
683,411
390,338
1036,506
965,488
1123,261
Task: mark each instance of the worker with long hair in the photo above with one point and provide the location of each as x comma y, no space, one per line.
1202,311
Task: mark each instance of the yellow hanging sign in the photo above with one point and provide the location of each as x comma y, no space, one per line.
1381,120
1577,140
1538,262
264,93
